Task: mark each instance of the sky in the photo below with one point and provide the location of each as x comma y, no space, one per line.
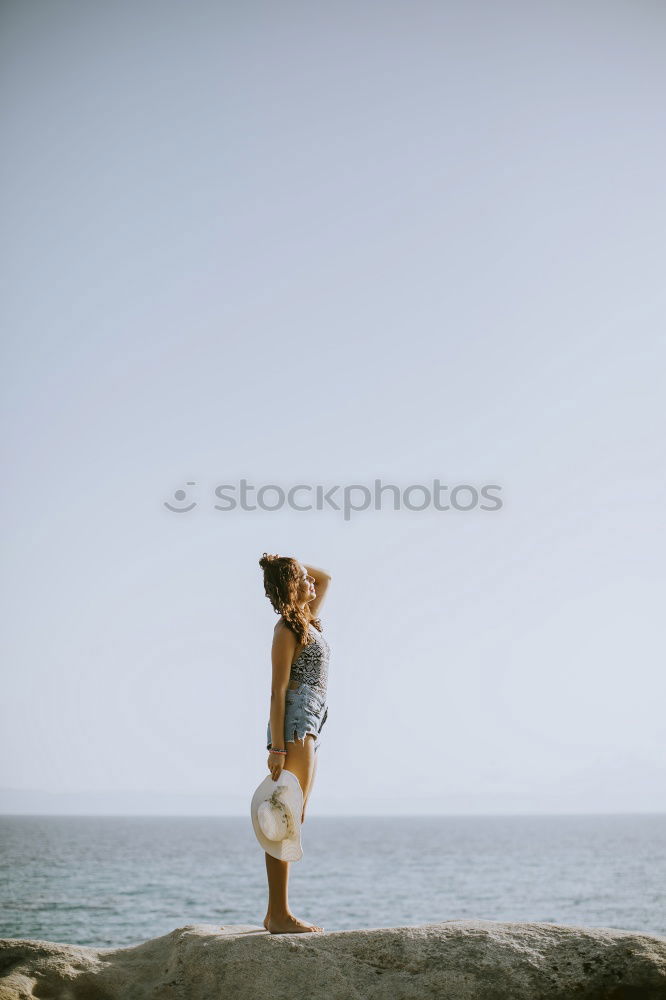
326,244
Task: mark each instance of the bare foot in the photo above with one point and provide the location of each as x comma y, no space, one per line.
266,919
289,925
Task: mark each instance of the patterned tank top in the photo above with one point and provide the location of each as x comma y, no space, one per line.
311,665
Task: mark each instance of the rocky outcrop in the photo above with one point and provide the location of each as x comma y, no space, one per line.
458,959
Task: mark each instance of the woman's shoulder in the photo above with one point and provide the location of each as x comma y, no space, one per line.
283,632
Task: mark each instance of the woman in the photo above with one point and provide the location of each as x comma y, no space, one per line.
300,656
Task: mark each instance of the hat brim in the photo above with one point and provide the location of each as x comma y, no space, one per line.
289,849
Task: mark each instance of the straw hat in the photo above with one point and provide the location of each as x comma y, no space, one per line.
276,816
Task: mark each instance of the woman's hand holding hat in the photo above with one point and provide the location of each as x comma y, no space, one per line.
276,763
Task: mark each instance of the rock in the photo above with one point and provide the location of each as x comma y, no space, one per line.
454,960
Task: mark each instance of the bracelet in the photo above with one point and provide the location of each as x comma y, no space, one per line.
273,750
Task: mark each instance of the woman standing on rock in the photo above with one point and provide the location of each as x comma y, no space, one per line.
298,711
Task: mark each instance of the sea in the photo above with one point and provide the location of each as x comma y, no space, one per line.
111,881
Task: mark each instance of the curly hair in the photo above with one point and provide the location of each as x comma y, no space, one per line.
281,584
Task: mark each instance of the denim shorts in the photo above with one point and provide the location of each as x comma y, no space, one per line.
305,711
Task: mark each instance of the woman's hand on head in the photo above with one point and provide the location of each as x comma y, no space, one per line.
276,764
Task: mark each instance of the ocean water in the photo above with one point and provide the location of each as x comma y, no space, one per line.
109,881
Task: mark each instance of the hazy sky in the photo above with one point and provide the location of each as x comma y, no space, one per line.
324,244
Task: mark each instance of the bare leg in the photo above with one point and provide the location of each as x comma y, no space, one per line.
301,761
309,789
